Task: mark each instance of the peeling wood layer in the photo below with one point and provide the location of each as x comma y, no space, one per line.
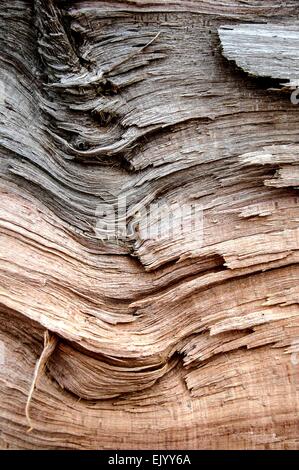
264,50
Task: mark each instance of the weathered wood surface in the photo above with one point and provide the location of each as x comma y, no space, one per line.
264,50
178,342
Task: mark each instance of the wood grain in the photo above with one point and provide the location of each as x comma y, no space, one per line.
185,341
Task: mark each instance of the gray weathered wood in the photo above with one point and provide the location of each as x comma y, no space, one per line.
264,50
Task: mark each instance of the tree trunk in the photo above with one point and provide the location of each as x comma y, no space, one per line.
149,224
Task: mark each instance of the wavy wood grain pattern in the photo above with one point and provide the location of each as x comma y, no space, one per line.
181,341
